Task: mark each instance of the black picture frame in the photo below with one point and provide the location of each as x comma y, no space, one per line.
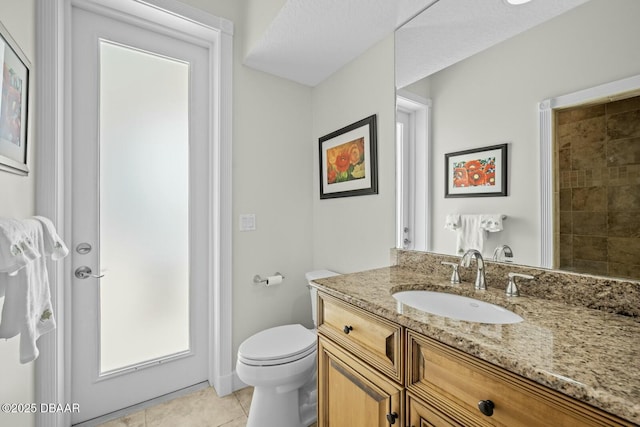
14,105
348,160
478,172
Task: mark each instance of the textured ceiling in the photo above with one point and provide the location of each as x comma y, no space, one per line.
452,30
311,39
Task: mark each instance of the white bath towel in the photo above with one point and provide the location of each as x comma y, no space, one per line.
53,244
16,248
27,306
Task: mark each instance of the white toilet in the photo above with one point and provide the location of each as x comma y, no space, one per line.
280,363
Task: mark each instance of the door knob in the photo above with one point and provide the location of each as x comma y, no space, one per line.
85,272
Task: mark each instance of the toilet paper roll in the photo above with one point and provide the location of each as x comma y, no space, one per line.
274,280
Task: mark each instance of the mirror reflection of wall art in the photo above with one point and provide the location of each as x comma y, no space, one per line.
480,172
348,162
13,105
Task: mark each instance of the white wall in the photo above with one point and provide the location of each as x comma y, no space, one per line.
272,178
17,201
355,233
492,98
276,128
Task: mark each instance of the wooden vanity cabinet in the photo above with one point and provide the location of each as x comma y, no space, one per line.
361,364
454,383
360,367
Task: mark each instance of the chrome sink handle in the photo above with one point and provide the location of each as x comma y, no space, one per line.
455,276
512,286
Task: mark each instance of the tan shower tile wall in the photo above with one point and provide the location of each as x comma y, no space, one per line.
598,163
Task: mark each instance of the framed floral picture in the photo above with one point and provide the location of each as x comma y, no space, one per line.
14,106
348,163
480,172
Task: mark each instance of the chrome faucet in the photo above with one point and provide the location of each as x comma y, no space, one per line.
501,252
465,261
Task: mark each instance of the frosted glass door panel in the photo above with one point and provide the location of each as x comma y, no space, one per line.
144,207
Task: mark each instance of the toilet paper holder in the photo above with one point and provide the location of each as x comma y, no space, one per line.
277,278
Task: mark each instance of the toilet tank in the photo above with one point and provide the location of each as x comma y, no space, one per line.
311,276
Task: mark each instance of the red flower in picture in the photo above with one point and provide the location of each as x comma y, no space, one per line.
476,177
490,179
343,160
331,175
460,177
473,165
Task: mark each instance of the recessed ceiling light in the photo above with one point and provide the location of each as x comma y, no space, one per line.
517,2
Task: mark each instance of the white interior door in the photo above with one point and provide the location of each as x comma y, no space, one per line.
140,129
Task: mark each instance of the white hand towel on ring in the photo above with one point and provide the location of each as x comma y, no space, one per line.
452,222
470,234
491,222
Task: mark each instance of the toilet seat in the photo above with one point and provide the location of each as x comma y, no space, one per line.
276,346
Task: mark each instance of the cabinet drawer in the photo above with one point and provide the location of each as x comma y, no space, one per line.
375,340
458,382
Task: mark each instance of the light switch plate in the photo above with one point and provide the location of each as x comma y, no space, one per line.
247,222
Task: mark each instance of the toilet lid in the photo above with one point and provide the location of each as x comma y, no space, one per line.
278,345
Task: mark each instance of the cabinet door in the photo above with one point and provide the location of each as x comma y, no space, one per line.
351,394
420,414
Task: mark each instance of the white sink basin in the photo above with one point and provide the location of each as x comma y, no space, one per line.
457,307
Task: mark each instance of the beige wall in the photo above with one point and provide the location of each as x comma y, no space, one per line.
277,124
272,178
17,201
276,128
355,233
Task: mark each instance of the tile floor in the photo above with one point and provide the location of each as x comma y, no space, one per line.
203,408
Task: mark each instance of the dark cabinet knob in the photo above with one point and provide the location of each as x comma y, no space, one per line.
347,329
392,417
486,407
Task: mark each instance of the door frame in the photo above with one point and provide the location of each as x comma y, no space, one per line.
53,119
417,183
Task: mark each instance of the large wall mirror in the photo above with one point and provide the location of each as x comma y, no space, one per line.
477,74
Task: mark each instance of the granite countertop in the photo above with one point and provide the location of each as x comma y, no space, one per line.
588,354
